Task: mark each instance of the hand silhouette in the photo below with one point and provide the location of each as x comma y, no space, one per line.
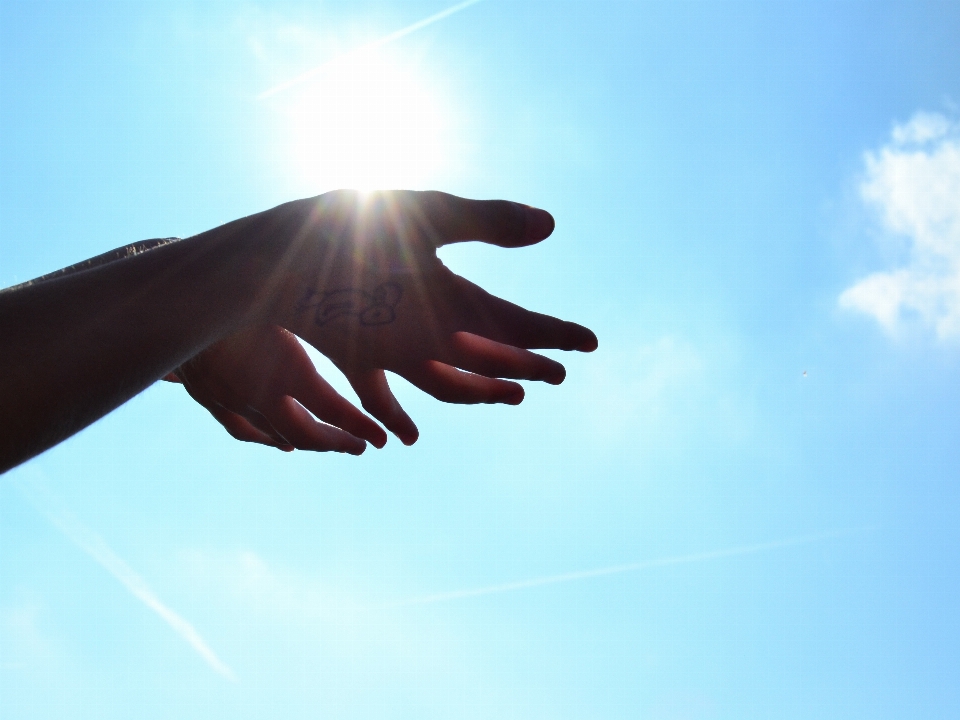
355,275
361,281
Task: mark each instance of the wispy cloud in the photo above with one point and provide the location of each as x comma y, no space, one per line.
660,394
92,544
634,383
630,567
367,47
20,636
913,182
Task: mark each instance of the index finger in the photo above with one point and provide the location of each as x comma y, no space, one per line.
452,219
498,319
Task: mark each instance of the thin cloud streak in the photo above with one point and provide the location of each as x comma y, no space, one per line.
373,45
630,567
92,544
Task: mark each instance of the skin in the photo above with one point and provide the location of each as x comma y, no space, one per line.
356,276
263,388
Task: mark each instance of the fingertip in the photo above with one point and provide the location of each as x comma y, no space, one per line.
514,396
404,427
539,224
356,449
586,340
409,434
572,336
368,430
557,377
344,442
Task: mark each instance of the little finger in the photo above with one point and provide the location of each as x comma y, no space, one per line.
242,429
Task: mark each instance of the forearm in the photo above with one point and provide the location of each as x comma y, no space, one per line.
77,345
121,253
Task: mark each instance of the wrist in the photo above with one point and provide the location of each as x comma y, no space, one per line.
262,259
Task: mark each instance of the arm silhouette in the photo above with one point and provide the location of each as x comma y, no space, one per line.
357,276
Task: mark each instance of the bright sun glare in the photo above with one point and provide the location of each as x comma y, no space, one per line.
368,122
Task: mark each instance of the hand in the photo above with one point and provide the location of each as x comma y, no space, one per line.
363,284
262,387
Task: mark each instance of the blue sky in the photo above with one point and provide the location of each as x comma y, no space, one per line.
757,212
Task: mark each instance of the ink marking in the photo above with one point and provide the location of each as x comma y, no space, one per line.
377,307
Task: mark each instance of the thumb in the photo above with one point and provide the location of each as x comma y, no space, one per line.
451,219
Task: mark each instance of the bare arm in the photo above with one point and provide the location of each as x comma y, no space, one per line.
119,253
357,276
258,383
80,343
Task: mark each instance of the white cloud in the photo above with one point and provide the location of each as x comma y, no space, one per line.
913,183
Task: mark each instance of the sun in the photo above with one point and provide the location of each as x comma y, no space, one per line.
368,122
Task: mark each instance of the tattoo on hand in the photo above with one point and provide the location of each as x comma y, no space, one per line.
377,307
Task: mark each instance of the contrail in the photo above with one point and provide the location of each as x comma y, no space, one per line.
630,567
373,45
92,544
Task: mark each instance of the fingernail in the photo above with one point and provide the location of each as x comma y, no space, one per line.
540,224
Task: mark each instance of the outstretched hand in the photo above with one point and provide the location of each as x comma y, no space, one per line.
355,275
361,281
262,387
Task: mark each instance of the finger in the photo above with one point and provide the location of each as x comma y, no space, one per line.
377,399
496,360
448,384
241,429
499,222
230,404
297,425
500,320
255,418
317,395
172,377
223,410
